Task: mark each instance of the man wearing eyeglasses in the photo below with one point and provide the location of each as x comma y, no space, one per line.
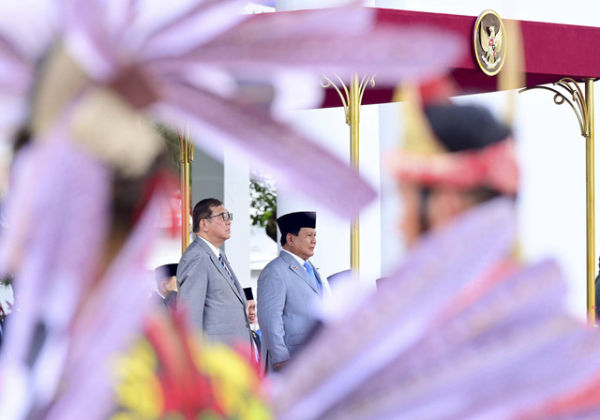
208,289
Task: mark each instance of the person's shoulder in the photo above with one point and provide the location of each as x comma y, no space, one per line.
194,255
275,267
278,261
194,250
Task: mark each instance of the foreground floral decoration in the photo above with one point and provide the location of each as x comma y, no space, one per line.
87,81
170,373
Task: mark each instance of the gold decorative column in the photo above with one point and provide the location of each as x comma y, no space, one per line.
590,204
351,100
583,106
186,155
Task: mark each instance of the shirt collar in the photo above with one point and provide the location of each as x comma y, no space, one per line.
297,258
213,248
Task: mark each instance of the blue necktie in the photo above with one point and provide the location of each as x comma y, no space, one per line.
311,273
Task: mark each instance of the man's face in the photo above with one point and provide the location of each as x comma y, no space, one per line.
172,284
168,284
215,227
410,223
303,244
443,205
251,311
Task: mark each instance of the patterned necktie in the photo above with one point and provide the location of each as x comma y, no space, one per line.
311,273
222,261
256,346
235,282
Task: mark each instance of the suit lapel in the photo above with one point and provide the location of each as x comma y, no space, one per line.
297,268
220,268
233,278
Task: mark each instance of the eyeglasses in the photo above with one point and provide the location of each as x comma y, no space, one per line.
226,216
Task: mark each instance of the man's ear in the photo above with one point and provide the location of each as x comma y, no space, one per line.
288,237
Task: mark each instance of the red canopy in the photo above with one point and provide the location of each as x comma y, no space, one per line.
552,51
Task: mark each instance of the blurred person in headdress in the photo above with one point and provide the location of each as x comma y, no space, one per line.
154,356
209,291
454,157
471,161
287,288
253,321
6,304
166,285
597,283
92,171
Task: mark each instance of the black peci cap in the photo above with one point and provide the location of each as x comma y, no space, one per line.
167,270
465,127
292,222
248,293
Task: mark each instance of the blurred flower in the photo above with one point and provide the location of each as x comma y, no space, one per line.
87,77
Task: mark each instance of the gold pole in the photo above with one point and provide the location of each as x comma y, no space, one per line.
186,155
351,101
354,123
590,207
583,106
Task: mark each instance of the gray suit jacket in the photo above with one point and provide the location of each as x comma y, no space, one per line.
285,296
211,298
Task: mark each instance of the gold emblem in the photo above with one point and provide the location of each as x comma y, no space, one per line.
489,37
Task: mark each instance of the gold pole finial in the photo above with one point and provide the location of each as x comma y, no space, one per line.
351,99
186,155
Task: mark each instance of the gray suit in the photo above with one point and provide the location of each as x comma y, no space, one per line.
285,296
213,300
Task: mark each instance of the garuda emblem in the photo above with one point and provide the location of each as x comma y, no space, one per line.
491,42
489,46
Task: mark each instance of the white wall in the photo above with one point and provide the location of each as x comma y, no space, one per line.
237,201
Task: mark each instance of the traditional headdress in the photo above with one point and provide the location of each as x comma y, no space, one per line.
460,146
167,270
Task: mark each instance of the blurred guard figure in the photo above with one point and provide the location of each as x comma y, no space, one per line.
208,288
286,288
598,296
454,157
6,303
254,327
166,284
